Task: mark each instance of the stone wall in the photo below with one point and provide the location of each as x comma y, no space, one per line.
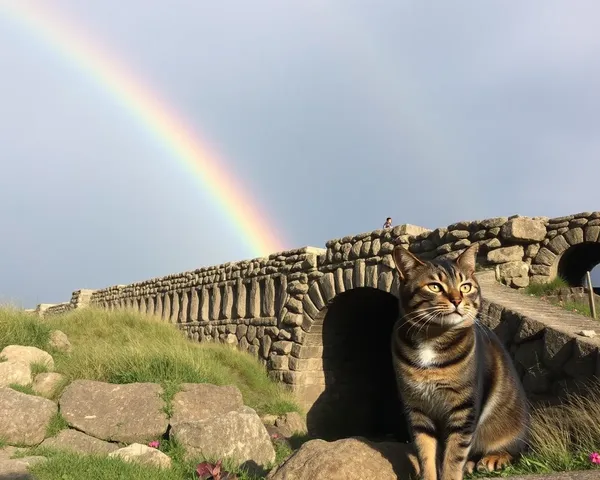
274,307
549,362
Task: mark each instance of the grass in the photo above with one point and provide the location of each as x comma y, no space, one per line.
57,423
70,466
562,437
550,288
125,347
543,289
67,466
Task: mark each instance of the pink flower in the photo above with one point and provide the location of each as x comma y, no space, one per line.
154,444
595,458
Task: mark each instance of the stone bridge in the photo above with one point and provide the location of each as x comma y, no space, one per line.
320,319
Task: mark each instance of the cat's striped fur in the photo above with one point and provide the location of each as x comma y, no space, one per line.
464,401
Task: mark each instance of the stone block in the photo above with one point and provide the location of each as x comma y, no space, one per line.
523,229
359,274
292,319
545,257
283,347
537,381
513,269
558,348
528,330
582,364
592,234
529,354
493,222
348,279
239,304
454,235
558,244
268,298
532,250
327,286
278,362
506,254
574,236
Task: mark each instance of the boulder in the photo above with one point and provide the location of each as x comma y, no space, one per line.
78,442
46,384
238,434
142,454
290,424
24,418
523,229
18,373
59,341
27,355
123,413
348,459
199,401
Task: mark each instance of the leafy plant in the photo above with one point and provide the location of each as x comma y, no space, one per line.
210,471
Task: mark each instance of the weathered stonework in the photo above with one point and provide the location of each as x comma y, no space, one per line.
274,307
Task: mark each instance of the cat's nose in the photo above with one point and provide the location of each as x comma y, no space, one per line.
455,301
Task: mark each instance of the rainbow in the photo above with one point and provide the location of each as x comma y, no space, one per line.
163,122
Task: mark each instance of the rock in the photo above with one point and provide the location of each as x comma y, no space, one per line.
18,468
291,423
513,269
59,341
46,384
506,254
523,229
142,454
24,418
587,333
18,373
348,459
78,442
126,413
199,401
9,451
27,355
268,419
14,470
239,434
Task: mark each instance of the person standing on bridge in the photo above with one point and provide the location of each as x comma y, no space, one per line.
388,223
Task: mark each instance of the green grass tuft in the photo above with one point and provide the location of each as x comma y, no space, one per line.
20,328
37,367
22,388
541,289
57,423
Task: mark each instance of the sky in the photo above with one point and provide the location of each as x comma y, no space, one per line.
332,114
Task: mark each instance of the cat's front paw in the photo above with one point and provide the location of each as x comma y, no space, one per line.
493,462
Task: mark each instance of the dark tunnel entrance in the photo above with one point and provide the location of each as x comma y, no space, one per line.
360,396
576,261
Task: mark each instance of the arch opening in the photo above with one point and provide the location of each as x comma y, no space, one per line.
576,261
360,396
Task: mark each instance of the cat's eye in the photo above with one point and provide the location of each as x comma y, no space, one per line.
466,287
434,287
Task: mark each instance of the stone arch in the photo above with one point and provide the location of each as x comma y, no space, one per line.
569,255
348,319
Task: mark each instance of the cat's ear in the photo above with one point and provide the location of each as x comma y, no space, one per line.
466,260
405,261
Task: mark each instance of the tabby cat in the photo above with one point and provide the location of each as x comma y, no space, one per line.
464,401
